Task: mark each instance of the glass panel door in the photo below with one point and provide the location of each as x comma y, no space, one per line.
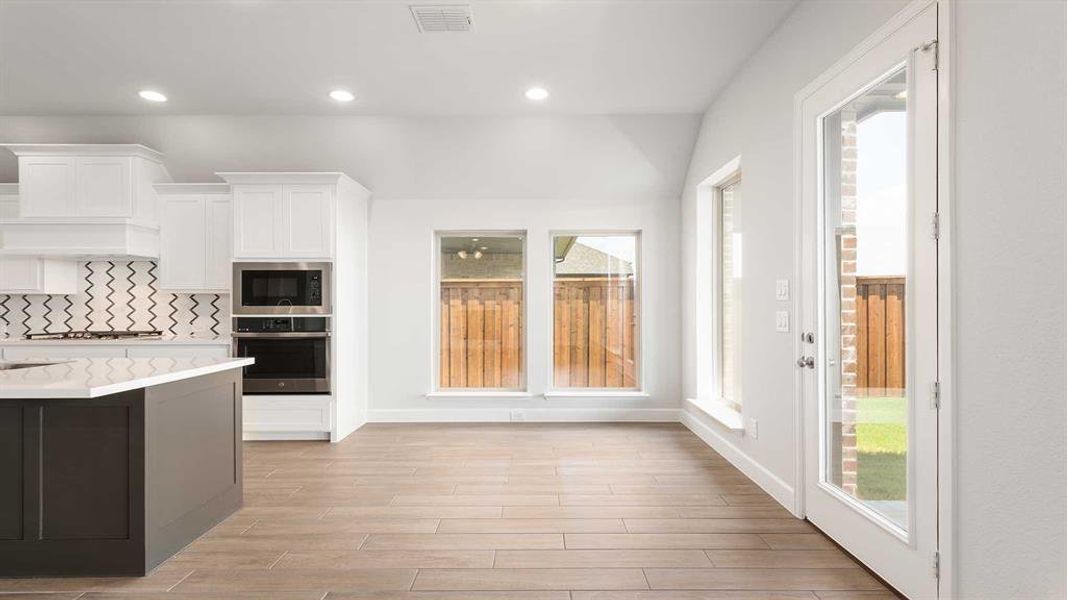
866,247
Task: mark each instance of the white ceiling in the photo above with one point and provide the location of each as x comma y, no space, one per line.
275,57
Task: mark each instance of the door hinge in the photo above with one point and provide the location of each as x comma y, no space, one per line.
935,226
936,565
935,395
928,47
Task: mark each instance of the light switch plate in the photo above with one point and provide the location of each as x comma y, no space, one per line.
781,321
781,289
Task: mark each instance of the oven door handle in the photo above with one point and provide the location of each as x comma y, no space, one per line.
284,334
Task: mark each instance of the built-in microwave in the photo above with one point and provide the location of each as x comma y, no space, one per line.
284,288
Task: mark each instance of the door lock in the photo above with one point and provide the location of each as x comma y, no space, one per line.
807,337
806,362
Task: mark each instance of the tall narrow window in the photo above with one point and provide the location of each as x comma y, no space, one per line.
595,312
729,293
481,311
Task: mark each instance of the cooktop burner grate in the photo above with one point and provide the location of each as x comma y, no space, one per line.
94,335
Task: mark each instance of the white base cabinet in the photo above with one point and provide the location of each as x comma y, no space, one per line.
34,350
287,417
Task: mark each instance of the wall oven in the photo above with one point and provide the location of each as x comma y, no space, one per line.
292,354
287,288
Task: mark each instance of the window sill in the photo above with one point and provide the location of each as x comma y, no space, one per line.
596,394
720,412
480,394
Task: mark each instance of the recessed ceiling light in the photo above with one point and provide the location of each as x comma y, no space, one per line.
342,95
536,94
152,96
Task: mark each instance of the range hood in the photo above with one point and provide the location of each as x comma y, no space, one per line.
84,201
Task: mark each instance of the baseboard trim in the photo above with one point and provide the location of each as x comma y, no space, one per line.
771,483
518,415
285,436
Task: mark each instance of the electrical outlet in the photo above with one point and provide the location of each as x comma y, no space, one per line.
518,416
752,429
781,289
781,321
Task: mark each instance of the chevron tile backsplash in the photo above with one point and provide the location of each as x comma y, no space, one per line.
116,296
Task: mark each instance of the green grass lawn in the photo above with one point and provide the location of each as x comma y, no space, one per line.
881,437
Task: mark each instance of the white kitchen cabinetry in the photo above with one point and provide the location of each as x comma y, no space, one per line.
289,417
286,215
195,229
34,275
257,215
300,217
112,349
85,200
42,350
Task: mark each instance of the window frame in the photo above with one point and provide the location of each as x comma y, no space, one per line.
637,390
718,290
435,310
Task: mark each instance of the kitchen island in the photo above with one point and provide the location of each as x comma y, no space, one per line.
108,466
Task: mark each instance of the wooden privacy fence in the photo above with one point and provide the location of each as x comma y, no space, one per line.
481,333
593,329
880,354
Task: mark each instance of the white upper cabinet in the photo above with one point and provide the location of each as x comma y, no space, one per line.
283,215
49,180
257,211
83,201
307,220
195,228
219,252
35,275
104,186
88,180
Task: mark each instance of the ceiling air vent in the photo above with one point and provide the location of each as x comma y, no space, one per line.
432,18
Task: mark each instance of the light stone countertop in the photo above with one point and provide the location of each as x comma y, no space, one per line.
93,377
184,340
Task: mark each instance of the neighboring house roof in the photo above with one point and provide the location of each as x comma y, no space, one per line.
584,260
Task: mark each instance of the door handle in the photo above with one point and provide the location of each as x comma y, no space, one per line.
806,362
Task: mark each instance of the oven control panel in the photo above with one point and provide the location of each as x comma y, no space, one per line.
280,324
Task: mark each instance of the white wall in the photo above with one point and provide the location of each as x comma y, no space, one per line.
1009,258
535,174
753,118
402,301
1011,191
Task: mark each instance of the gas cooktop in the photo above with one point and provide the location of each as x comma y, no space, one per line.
94,335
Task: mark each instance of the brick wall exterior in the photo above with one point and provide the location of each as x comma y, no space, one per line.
847,267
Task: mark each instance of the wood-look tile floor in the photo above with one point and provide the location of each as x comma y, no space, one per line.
495,512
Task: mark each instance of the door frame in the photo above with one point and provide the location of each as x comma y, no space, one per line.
946,428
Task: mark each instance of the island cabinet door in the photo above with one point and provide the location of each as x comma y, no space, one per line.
72,489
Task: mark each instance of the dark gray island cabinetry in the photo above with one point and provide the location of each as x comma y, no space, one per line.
109,466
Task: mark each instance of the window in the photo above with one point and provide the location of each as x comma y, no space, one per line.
728,306
481,306
595,311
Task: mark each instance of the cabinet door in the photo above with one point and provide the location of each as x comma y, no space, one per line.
182,244
34,275
307,221
33,351
46,186
219,232
257,221
104,187
178,351
20,274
